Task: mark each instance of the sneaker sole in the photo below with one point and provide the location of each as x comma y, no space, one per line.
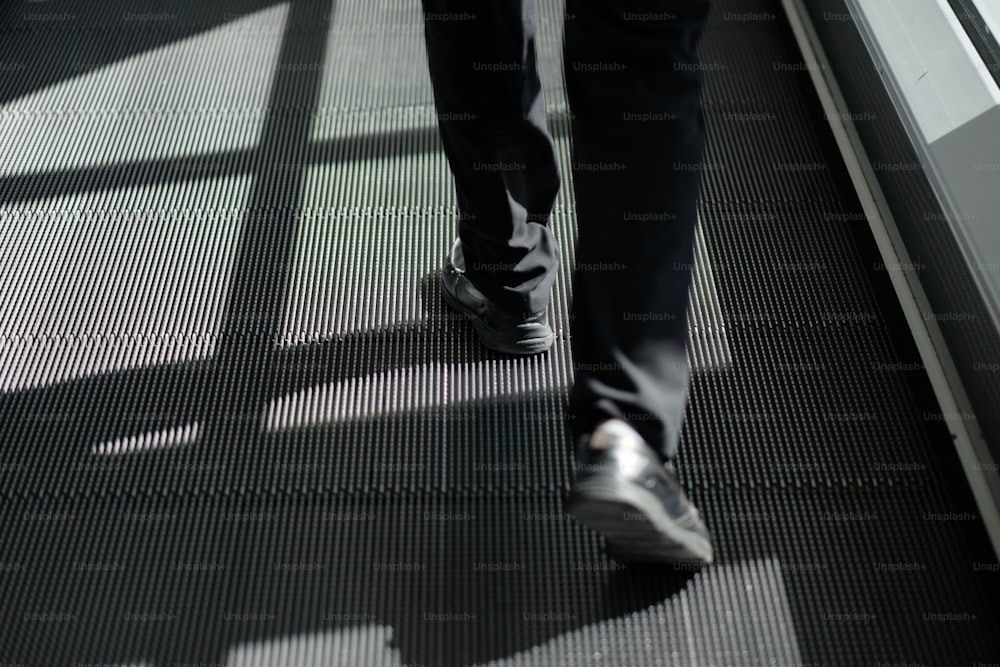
491,339
634,524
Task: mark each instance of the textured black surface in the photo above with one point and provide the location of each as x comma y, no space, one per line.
239,427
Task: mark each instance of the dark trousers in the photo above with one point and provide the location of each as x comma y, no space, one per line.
633,80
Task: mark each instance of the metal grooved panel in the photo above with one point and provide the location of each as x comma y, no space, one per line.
238,427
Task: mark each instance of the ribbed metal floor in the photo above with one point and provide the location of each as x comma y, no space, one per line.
238,426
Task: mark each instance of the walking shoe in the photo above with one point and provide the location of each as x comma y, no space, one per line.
624,492
497,329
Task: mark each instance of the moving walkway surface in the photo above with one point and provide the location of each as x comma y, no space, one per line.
238,426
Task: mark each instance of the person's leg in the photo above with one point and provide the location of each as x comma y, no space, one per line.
634,81
491,116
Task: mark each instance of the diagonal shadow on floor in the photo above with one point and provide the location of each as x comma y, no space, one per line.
427,564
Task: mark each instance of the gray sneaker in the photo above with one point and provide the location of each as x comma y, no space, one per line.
497,329
624,492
